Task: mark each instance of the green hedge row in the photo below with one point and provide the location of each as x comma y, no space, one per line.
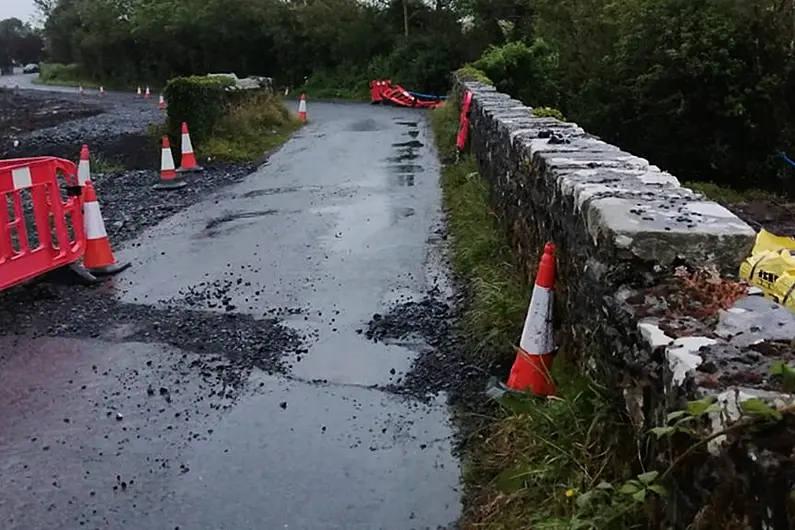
198,100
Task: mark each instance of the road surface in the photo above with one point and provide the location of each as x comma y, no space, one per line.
120,430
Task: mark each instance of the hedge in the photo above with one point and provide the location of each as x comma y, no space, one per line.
198,100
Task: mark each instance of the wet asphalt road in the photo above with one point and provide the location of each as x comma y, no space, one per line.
113,433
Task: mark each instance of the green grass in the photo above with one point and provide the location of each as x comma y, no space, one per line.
250,130
520,465
55,74
728,195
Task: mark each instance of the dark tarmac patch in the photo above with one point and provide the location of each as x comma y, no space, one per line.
63,311
412,134
412,143
212,227
270,191
367,125
443,365
407,123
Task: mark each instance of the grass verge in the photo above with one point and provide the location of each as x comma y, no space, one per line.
250,130
527,463
55,74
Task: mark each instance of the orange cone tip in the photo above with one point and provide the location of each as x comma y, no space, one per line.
530,371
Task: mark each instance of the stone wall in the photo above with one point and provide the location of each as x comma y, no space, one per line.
623,228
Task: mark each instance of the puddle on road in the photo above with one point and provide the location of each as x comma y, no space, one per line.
416,144
212,227
402,173
274,191
403,157
406,168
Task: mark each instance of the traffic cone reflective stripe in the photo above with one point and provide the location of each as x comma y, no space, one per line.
83,167
188,159
302,108
162,103
98,258
530,371
148,94
138,93
168,175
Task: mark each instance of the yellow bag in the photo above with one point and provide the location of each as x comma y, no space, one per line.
771,267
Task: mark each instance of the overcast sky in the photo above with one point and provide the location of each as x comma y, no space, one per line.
21,9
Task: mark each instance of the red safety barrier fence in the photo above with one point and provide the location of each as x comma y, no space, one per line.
39,230
463,122
382,90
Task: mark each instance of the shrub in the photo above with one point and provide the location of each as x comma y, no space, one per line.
200,101
525,72
58,72
471,73
250,127
548,112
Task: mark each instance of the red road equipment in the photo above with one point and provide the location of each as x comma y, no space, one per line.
138,93
37,178
168,175
463,122
162,103
188,160
382,91
147,94
99,259
101,91
302,108
83,167
530,371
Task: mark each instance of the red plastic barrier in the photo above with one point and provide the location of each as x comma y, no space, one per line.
37,179
382,90
377,91
463,122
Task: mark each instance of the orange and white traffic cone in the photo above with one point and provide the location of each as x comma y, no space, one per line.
98,259
162,103
530,371
188,161
302,108
138,93
147,94
101,91
168,175
83,167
